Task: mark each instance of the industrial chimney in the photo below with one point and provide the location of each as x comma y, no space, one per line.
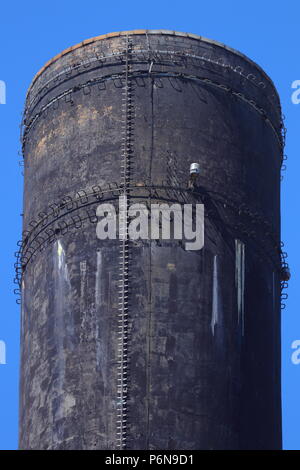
143,344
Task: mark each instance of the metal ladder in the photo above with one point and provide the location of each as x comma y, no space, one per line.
122,357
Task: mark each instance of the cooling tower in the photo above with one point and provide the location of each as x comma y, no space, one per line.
145,344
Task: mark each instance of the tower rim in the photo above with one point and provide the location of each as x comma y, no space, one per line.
142,32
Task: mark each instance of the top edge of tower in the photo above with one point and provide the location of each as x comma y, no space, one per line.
152,32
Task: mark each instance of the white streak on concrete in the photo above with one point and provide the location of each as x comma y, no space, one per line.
240,282
61,294
98,278
62,265
83,278
98,299
215,296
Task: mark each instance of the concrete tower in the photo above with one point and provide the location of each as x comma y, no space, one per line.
143,344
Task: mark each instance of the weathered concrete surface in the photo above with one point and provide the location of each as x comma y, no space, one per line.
204,326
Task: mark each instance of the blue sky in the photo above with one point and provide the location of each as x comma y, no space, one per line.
32,32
